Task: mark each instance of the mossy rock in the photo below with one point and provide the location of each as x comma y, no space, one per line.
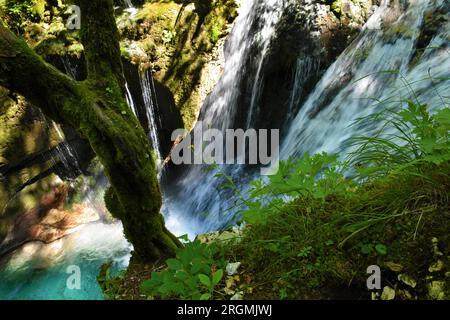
176,42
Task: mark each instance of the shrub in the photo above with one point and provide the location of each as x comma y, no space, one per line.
193,274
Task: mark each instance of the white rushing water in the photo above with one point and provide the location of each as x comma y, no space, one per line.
152,112
251,36
196,204
375,67
130,100
152,115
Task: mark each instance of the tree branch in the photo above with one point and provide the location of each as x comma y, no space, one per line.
100,39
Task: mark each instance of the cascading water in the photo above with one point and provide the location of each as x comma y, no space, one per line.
363,72
128,3
251,37
130,100
377,66
40,271
304,67
151,113
195,204
151,109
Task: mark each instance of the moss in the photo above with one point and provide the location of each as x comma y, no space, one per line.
173,40
336,7
176,42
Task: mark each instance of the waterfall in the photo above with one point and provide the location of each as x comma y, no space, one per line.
196,204
37,270
70,67
151,113
361,81
151,109
65,153
130,100
304,67
128,4
251,36
380,68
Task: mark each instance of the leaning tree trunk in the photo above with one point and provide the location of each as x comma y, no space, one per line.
97,109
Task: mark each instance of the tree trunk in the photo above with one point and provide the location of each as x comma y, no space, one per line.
97,109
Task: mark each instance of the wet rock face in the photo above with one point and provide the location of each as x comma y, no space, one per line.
20,124
168,115
32,149
48,221
433,20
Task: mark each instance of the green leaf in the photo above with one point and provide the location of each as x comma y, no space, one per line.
184,238
204,279
196,265
366,248
381,249
217,277
181,275
205,296
174,264
147,286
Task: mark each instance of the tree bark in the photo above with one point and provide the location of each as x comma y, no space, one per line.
97,109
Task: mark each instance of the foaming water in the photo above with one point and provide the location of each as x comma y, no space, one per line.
39,271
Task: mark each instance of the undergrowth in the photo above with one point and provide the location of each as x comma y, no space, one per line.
328,220
313,229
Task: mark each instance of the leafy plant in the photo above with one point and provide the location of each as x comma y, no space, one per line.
210,283
318,215
305,252
193,274
110,281
408,140
17,12
317,177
